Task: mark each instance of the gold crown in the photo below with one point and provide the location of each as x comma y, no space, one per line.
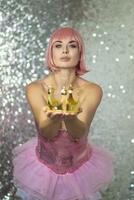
67,103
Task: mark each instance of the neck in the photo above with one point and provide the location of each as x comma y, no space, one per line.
64,77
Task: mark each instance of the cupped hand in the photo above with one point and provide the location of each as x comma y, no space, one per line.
71,115
60,114
53,114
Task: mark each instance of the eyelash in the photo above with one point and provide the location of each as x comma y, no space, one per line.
72,45
58,45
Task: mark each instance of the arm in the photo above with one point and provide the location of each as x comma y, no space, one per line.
37,101
75,126
79,125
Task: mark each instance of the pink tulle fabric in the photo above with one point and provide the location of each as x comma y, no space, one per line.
62,168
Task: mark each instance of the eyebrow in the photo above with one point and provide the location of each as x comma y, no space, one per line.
69,41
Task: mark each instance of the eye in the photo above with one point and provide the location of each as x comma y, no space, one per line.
73,45
57,45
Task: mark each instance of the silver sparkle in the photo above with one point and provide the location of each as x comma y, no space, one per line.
131,57
94,56
93,61
109,94
132,140
105,33
29,121
94,34
122,25
121,87
110,86
97,26
100,35
128,116
113,95
123,91
107,48
132,185
102,42
46,72
117,59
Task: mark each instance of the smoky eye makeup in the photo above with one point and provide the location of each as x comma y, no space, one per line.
72,44
57,44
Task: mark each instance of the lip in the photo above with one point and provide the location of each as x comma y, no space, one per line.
65,58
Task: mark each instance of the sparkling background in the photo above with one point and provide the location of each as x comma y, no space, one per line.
108,31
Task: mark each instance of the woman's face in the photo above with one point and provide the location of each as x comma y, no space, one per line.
65,53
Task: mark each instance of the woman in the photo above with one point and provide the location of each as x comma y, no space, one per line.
60,164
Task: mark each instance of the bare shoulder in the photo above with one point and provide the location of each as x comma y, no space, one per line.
33,90
92,92
94,89
32,86
91,87
95,92
36,85
36,91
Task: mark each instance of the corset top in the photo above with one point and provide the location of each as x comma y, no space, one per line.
63,154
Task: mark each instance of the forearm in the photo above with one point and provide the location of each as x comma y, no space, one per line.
50,127
76,128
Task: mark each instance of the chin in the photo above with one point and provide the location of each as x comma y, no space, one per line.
66,67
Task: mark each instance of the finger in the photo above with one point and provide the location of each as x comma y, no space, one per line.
80,109
62,115
50,114
68,115
59,115
72,114
45,108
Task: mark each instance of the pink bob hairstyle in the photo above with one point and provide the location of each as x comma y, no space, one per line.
60,34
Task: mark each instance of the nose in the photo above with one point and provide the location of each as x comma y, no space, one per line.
65,50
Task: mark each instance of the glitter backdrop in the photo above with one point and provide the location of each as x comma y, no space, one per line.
108,31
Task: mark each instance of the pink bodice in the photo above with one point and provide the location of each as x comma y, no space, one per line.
63,154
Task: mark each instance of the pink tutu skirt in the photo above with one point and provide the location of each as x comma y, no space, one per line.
41,183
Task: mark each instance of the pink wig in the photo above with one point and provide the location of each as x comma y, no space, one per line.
63,33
